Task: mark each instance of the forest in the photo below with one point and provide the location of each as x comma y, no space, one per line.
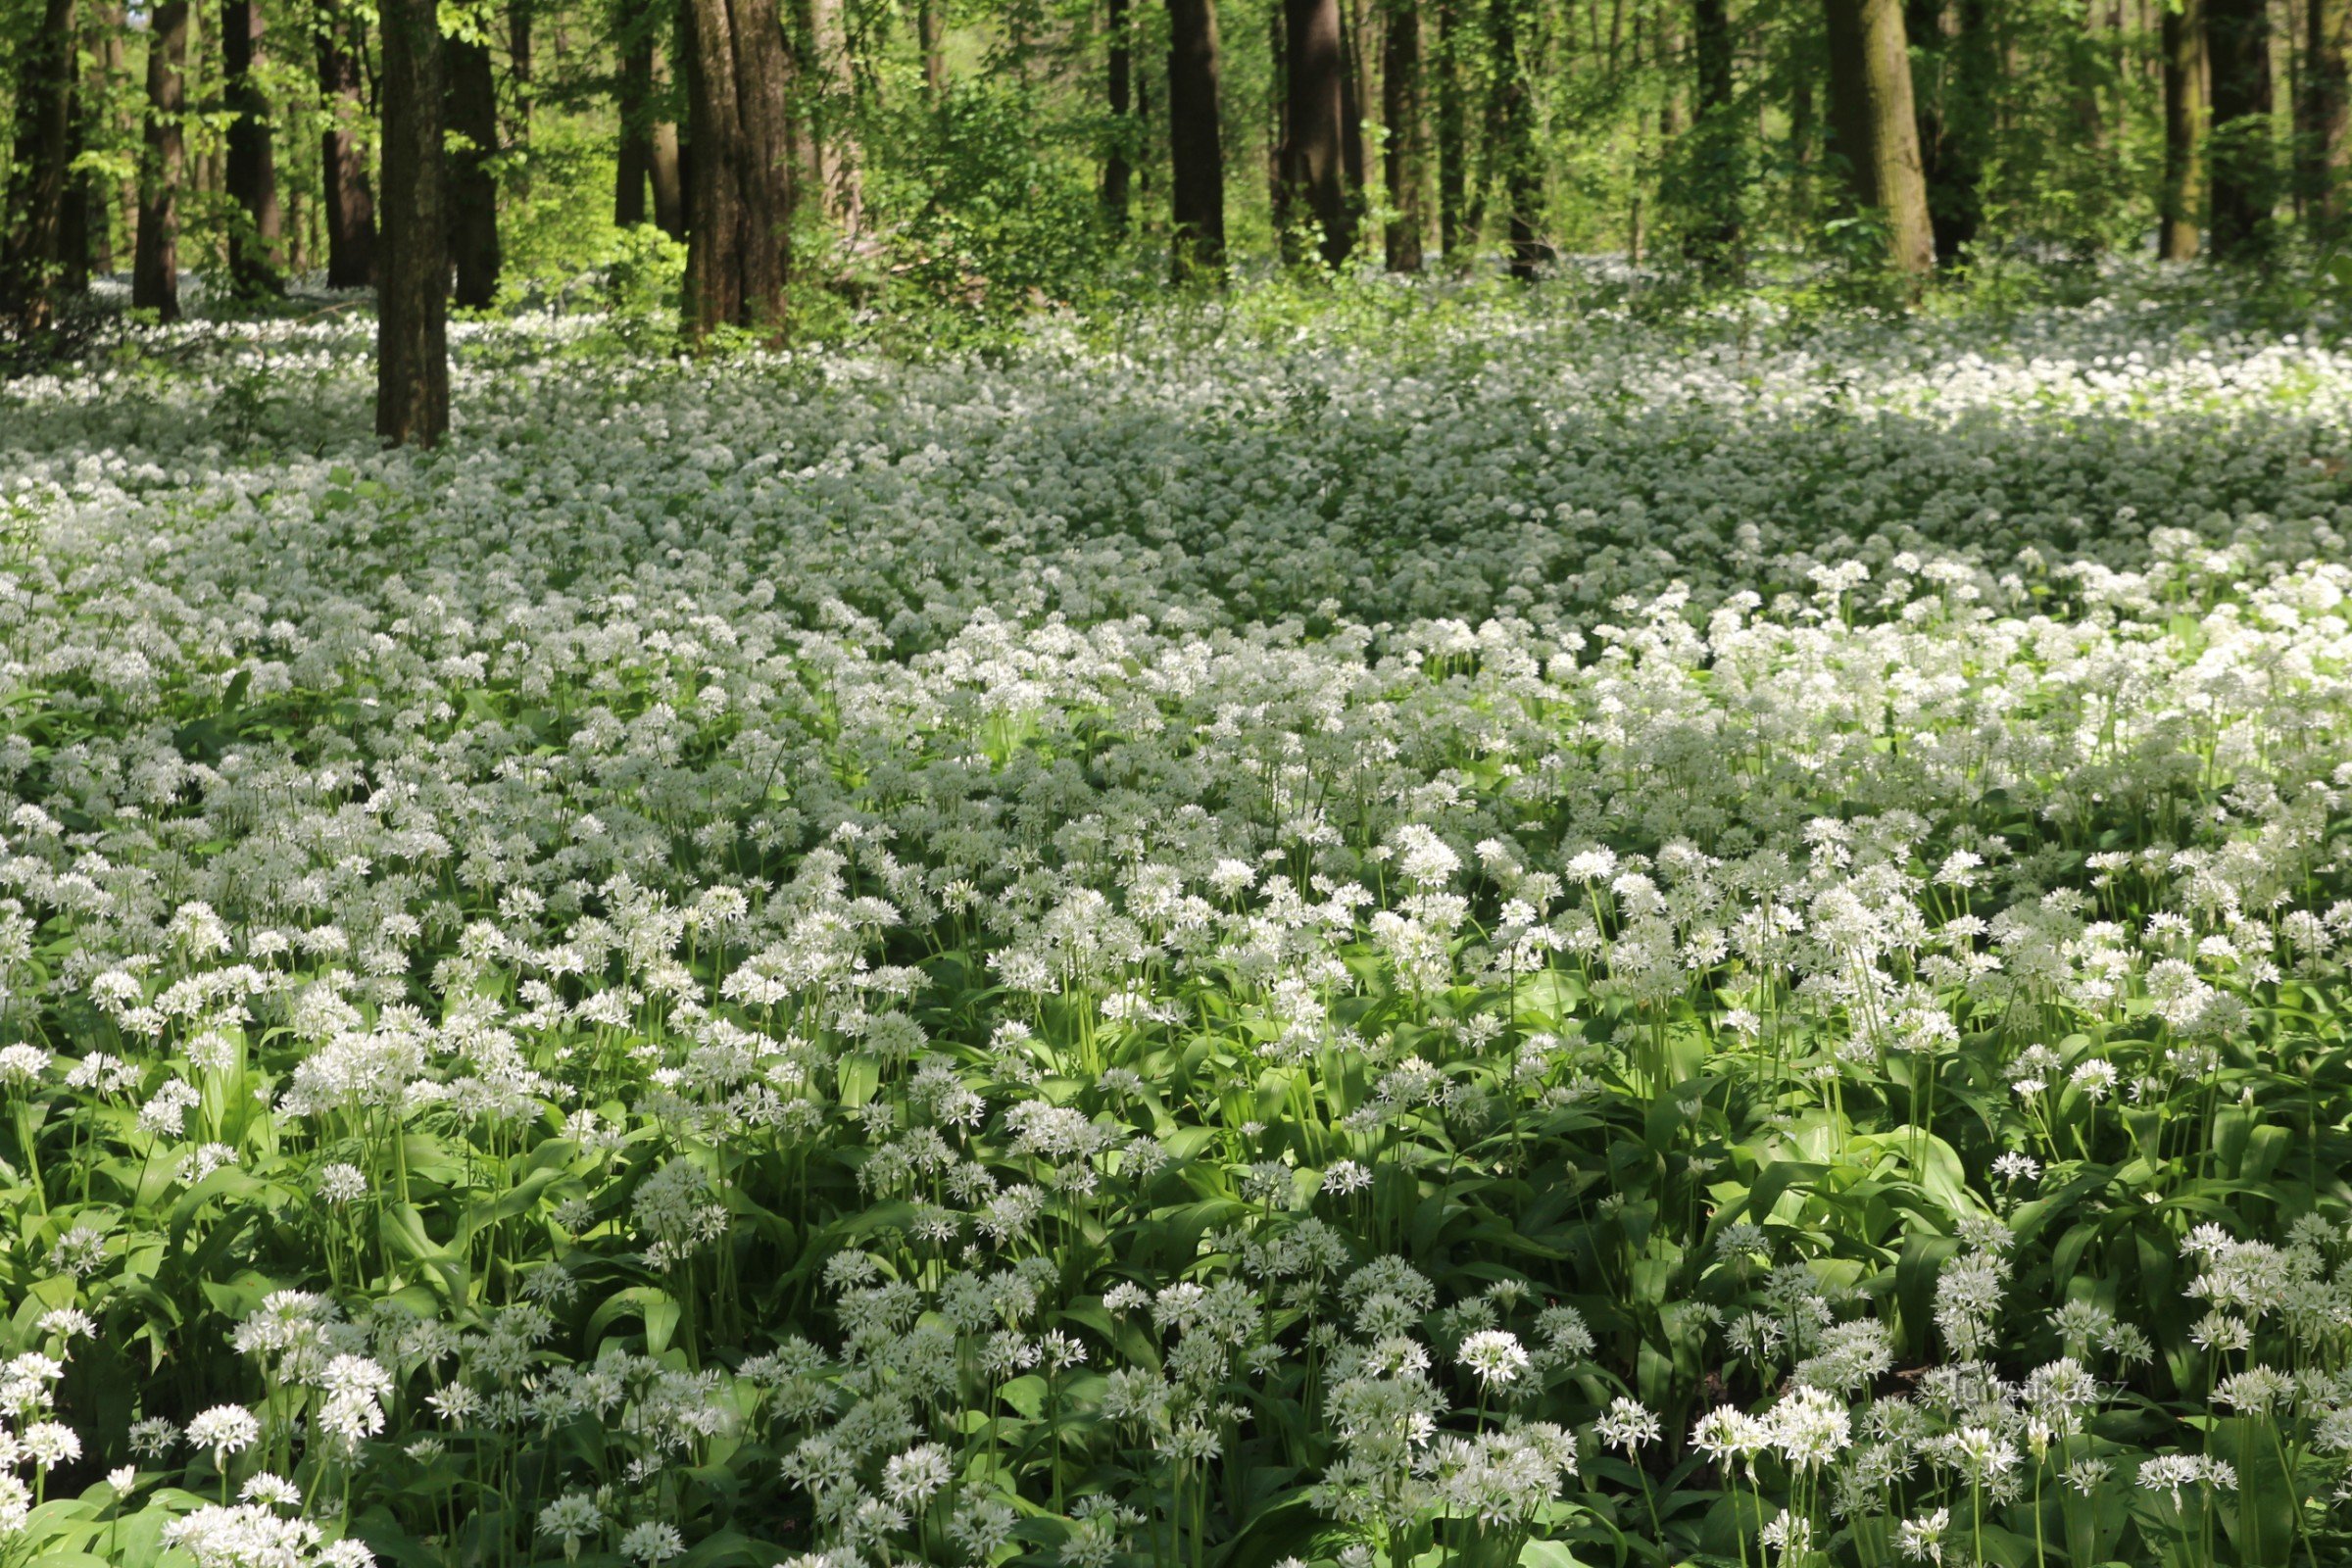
1246,784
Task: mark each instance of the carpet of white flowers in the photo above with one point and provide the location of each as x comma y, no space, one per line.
1446,933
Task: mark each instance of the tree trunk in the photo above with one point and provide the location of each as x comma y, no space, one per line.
1510,133
258,226
343,167
519,65
412,338
1196,147
1313,171
33,251
2244,180
2324,140
1872,117
633,157
740,198
669,181
2182,201
1453,153
106,69
1354,89
1716,170
1954,39
931,37
834,128
1117,171
473,184
1406,156
155,258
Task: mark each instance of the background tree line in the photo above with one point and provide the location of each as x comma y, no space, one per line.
794,155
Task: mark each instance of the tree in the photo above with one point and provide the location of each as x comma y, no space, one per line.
1714,170
1954,39
1196,146
931,37
1452,136
472,182
1117,172
2323,115
835,160
1511,141
2181,205
343,164
411,339
2242,175
155,255
32,251
1405,117
740,194
257,230
649,143
1875,126
1314,175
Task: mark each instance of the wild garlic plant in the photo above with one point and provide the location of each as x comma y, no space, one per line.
1489,934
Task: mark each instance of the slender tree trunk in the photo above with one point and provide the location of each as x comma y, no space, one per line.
633,157
667,172
931,37
411,353
1877,129
1453,153
1406,156
155,258
834,130
32,251
520,66
1952,39
106,69
1117,171
473,122
1716,169
1278,139
1510,132
1313,171
258,231
740,198
2323,145
343,166
1196,147
1354,89
2245,179
2181,205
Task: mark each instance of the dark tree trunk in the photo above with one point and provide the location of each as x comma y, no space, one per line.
2324,116
741,195
1876,126
1453,179
411,353
32,251
258,227
1952,107
1407,162
668,181
343,167
1117,171
155,259
1716,170
633,159
2245,179
1352,88
473,184
2181,203
1313,169
1196,146
1278,142
520,66
1510,133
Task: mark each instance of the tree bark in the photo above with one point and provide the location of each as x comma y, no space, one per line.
1195,145
257,227
1452,151
473,184
1117,172
1510,133
1407,159
1313,171
633,158
520,65
2242,175
2324,140
1953,38
33,251
343,165
1877,129
833,130
2181,203
1715,169
412,354
154,257
740,197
